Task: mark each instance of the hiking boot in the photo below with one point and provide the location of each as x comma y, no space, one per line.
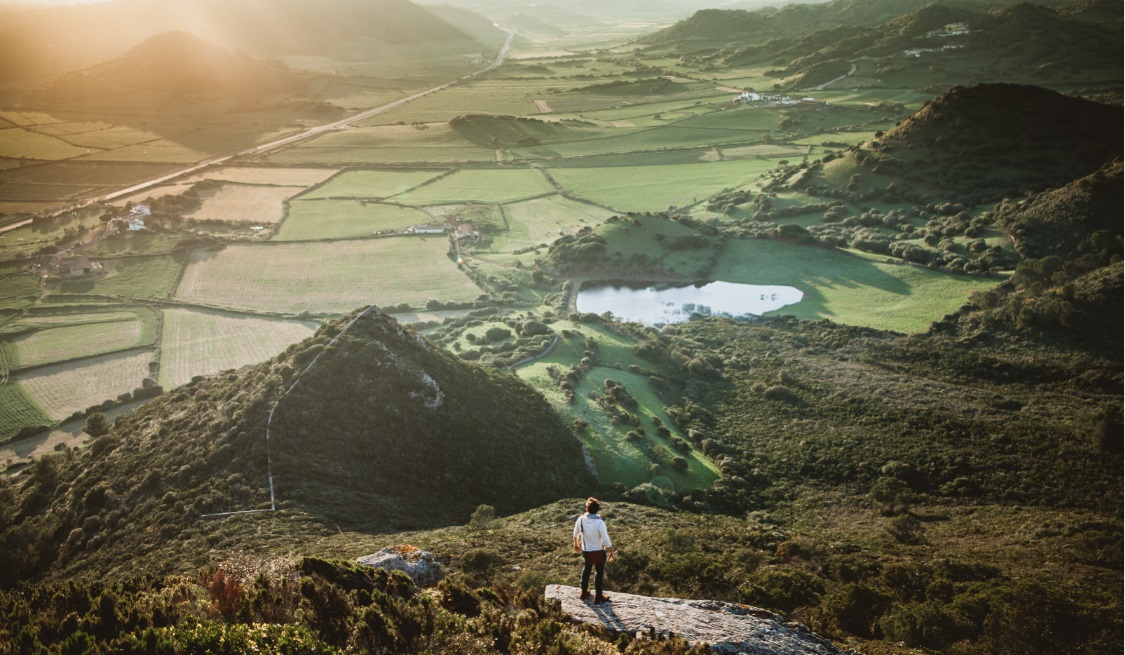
601,599
585,595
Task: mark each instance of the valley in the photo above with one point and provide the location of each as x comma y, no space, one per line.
918,442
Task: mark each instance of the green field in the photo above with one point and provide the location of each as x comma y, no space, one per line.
617,459
63,389
385,144
17,410
542,220
655,188
18,291
203,342
480,186
333,277
370,184
312,220
81,336
849,289
139,277
17,142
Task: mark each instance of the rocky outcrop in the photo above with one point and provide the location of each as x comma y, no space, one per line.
416,563
727,628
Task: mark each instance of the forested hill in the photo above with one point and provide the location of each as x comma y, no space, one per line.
987,141
385,432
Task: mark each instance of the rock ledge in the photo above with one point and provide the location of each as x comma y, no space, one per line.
416,563
726,627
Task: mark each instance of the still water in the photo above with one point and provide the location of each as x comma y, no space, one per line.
657,305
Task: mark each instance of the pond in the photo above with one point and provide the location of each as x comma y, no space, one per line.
659,304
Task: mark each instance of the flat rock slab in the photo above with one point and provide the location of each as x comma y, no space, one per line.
728,628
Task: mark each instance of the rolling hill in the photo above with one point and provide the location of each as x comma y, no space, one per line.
905,45
384,432
40,43
983,142
175,66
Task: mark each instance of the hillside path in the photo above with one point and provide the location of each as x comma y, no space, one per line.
726,627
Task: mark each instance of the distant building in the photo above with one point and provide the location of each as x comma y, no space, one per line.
426,229
140,210
71,267
136,225
467,231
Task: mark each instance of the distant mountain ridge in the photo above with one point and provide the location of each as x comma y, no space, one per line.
43,42
176,65
904,44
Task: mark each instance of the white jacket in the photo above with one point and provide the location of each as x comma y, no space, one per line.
594,535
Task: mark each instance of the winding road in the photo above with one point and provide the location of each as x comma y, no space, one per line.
309,133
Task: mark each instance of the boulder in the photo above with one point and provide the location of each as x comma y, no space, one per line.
417,563
727,628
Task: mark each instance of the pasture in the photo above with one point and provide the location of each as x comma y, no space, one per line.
333,278
489,186
197,342
17,410
266,175
241,203
24,142
655,188
542,220
138,277
62,389
313,220
81,335
376,184
849,289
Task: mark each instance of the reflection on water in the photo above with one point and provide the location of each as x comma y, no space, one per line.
661,305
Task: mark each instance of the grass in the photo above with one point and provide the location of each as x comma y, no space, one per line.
654,188
616,458
371,184
18,142
203,342
63,389
311,220
87,334
240,203
480,186
848,289
17,410
18,292
542,220
334,277
141,277
267,176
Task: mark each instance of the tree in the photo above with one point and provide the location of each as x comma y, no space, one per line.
97,424
483,518
893,494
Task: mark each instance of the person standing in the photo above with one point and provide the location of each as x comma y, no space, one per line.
592,540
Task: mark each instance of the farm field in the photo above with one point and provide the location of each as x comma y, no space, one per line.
17,410
312,220
376,184
86,335
333,278
63,389
655,188
243,203
70,434
266,176
198,342
480,186
542,220
849,289
139,277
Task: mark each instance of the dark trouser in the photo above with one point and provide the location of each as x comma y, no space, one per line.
593,559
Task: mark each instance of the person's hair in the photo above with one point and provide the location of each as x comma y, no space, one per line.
592,505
